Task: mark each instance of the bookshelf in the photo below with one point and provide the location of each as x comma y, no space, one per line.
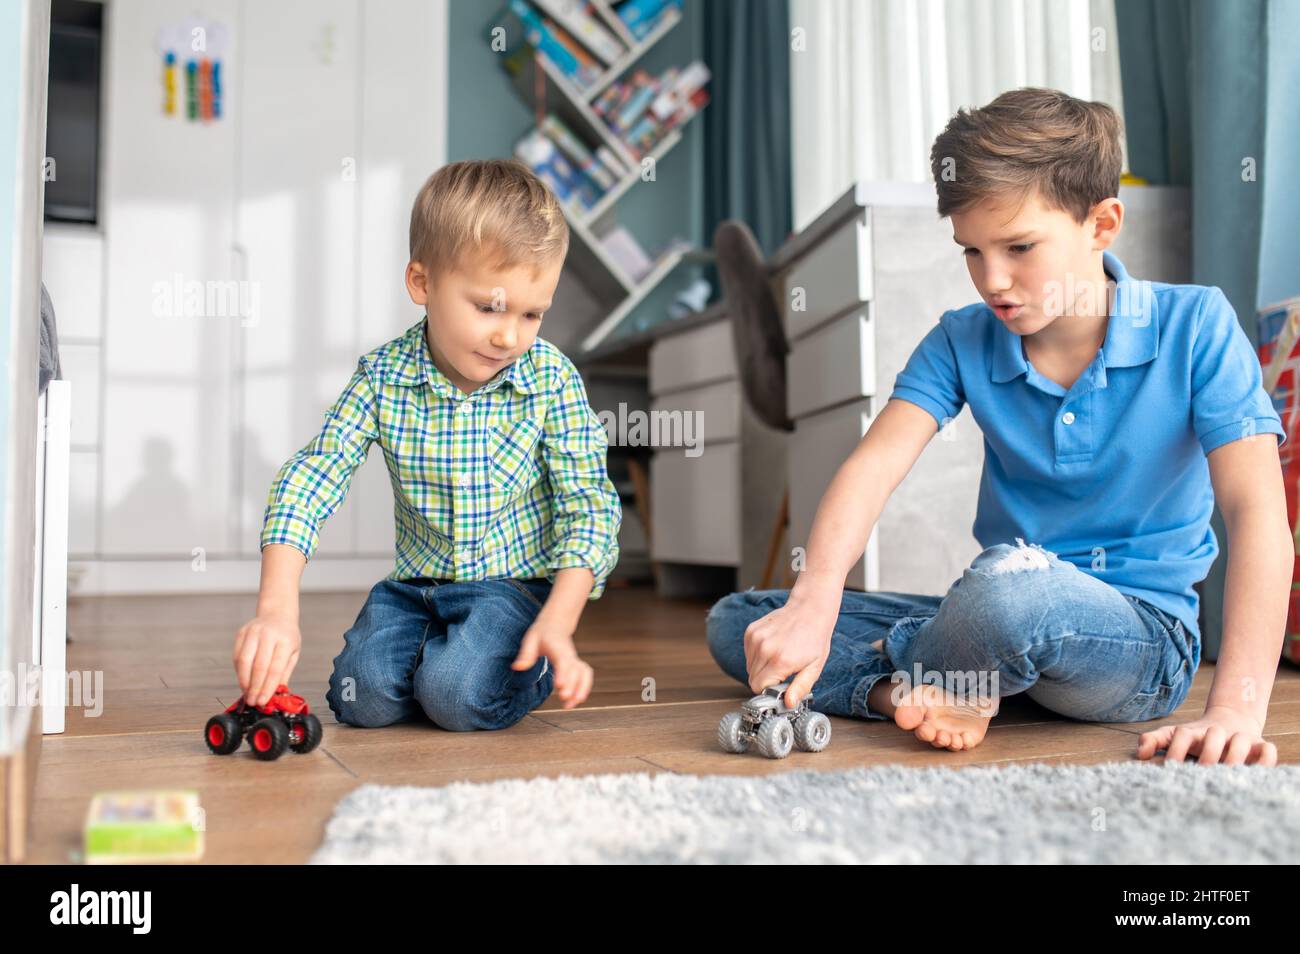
610,57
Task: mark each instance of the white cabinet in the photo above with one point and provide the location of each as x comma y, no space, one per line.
831,277
875,275
296,235
714,503
696,506
695,496
168,217
72,270
818,446
298,201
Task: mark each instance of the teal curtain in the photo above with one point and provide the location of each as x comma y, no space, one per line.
747,164
1212,102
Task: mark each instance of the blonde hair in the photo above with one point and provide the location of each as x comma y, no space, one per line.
1028,141
494,207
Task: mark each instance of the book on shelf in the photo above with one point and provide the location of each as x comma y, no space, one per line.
621,246
612,162
578,153
642,16
677,94
636,263
581,22
644,108
590,68
544,38
568,182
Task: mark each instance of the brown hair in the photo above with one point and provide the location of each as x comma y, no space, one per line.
1027,141
486,206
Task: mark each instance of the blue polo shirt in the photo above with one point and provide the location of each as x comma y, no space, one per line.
1110,475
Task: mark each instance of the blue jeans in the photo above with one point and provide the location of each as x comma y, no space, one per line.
1073,644
443,649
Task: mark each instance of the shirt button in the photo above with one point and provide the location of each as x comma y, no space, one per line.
1068,418
465,480
466,407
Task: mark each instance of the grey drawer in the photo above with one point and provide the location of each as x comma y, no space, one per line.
718,406
818,446
695,506
833,365
691,358
832,277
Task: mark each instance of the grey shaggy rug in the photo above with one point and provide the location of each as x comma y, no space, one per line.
1118,813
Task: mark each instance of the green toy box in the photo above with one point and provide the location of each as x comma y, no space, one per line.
133,826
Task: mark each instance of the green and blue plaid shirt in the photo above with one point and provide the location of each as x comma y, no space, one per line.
507,482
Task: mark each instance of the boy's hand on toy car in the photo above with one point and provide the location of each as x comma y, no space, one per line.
266,652
573,677
792,639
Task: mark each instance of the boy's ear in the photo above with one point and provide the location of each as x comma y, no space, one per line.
1107,219
417,283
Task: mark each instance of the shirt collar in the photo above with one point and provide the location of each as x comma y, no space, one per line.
414,365
1132,334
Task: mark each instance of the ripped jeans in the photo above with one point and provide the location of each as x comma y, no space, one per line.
1019,619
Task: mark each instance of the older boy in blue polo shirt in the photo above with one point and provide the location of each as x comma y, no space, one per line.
1115,413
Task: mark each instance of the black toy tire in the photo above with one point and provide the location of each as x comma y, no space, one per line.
275,746
229,733
312,733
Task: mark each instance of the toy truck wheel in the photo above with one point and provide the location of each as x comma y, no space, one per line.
775,738
730,736
812,732
222,734
268,738
308,735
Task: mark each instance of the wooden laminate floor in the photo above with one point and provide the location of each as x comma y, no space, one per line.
166,670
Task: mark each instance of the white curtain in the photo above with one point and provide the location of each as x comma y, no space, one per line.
874,81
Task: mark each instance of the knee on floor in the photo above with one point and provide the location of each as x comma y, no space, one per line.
365,702
460,701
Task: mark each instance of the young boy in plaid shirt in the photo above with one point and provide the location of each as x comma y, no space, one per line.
506,520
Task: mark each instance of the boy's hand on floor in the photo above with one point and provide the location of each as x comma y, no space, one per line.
792,639
266,652
1221,735
573,677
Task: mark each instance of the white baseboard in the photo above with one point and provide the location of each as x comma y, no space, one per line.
144,577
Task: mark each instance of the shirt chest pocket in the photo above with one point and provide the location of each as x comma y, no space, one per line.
513,450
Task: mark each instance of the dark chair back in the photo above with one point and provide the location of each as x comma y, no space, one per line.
755,322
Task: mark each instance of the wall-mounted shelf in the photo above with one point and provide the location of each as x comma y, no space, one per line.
595,216
629,59
662,269
616,292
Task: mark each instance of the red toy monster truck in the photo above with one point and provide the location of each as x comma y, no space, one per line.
284,722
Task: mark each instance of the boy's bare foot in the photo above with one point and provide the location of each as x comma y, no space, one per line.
933,713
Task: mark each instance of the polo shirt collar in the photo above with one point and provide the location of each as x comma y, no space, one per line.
1132,334
413,365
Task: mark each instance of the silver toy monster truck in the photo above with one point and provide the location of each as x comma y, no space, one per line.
776,728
